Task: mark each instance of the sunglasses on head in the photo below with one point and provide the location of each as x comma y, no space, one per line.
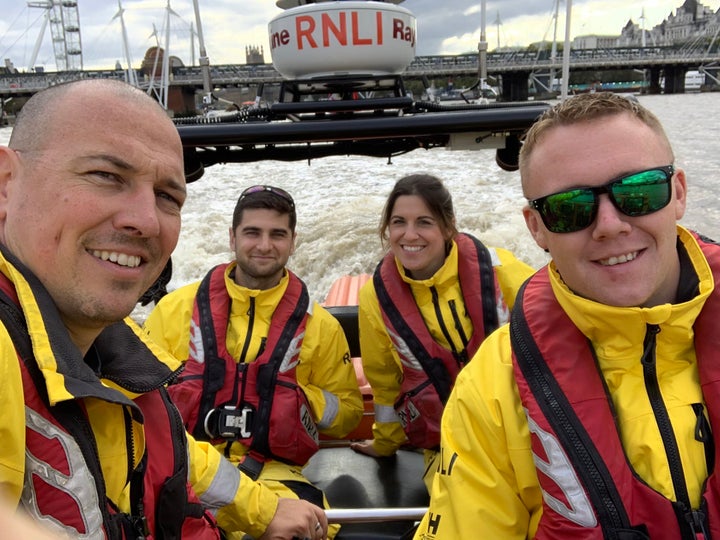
270,189
637,194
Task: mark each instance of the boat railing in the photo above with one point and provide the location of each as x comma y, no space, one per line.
374,515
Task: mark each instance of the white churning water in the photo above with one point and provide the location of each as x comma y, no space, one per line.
339,199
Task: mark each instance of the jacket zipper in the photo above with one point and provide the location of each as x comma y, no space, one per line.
560,414
460,356
460,331
694,518
241,361
703,434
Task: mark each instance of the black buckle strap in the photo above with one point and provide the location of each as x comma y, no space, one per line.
229,422
251,466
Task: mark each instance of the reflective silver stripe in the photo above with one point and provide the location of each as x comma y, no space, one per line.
385,413
292,355
556,465
223,488
79,485
494,257
332,406
197,351
503,312
407,358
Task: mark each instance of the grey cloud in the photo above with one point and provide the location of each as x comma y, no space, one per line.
231,25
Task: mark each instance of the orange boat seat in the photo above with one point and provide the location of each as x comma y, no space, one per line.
342,303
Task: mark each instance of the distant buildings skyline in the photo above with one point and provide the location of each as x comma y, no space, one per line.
691,21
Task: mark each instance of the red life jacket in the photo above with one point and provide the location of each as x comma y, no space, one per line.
429,369
589,489
63,476
258,403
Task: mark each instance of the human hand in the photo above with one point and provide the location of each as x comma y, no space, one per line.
296,519
18,525
365,447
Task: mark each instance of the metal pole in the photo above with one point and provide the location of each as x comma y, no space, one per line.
553,50
192,44
642,18
203,61
38,42
131,75
165,78
373,515
566,53
482,50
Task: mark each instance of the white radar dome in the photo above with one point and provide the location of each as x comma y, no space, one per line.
339,38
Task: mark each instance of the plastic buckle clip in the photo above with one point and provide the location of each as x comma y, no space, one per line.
229,422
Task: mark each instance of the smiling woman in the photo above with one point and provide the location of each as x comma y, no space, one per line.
432,300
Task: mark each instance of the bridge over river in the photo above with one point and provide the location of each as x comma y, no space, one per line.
665,68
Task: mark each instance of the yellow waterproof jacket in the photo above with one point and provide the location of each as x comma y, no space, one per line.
325,372
381,363
487,486
239,503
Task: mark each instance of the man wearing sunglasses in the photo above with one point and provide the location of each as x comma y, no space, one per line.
266,370
590,415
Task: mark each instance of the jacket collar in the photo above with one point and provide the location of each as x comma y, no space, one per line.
446,273
128,361
618,327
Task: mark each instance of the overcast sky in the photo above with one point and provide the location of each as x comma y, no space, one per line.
444,26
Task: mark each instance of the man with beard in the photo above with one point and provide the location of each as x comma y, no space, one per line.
266,369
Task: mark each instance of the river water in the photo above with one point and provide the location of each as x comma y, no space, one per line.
339,199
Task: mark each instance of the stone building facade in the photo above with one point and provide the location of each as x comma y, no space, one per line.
692,22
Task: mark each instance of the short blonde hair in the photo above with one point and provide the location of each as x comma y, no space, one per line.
584,108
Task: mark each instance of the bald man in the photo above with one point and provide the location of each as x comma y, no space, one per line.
91,190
